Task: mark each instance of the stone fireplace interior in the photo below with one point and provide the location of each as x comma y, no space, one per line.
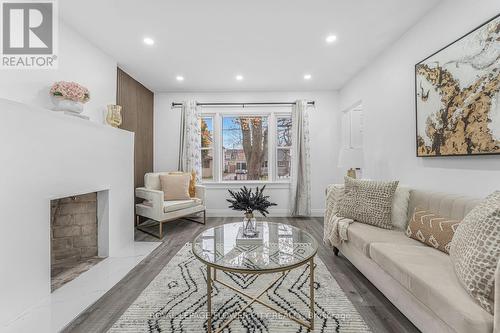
74,237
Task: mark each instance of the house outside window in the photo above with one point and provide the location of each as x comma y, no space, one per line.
284,146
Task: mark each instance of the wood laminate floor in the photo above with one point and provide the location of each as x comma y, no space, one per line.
375,309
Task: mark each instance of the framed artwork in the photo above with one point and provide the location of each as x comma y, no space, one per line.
457,96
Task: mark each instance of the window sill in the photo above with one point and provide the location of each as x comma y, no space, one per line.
251,184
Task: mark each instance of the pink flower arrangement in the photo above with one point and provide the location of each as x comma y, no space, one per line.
70,90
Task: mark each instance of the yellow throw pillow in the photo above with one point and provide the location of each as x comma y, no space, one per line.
175,186
192,183
432,229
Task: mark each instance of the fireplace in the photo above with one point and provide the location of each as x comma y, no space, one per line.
74,237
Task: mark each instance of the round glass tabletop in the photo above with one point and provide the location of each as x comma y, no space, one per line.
278,247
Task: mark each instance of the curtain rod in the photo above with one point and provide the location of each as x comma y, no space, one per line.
310,103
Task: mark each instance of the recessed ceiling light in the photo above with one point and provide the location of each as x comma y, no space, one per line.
307,77
179,78
149,41
331,39
239,77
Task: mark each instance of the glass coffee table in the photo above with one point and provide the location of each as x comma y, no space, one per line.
278,249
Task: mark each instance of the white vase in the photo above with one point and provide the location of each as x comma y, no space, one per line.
62,104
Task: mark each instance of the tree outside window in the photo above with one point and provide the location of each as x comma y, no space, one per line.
239,147
245,148
207,147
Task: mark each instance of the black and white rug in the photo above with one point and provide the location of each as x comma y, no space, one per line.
175,301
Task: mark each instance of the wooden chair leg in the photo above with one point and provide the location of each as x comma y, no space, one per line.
161,230
205,216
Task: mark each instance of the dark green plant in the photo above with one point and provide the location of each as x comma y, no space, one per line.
247,201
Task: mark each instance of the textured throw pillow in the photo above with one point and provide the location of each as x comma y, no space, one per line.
399,212
175,186
368,201
475,250
432,229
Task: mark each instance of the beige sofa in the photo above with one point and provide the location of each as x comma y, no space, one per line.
417,279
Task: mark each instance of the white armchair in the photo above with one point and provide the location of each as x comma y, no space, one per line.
155,208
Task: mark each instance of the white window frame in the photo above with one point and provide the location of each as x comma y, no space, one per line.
217,114
276,116
210,148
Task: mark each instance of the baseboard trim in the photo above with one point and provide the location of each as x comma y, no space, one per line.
318,212
272,213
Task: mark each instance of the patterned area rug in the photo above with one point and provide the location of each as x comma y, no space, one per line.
175,301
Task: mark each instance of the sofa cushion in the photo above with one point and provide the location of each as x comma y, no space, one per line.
361,235
173,205
428,274
444,204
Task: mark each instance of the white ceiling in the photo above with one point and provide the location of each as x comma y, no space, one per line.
272,43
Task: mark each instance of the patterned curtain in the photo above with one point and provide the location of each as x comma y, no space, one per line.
300,187
190,141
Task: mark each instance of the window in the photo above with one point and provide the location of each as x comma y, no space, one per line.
207,147
283,147
243,146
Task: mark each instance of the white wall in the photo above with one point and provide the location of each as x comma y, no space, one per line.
79,61
324,122
386,89
47,155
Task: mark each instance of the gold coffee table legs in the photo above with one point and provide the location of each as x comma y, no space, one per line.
209,299
255,299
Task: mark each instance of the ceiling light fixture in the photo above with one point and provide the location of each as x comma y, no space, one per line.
179,78
239,77
331,38
307,77
149,41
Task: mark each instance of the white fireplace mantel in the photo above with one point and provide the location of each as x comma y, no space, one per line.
46,155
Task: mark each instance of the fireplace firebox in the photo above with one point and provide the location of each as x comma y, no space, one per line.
74,237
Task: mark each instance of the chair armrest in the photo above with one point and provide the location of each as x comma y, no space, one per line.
496,310
154,197
200,192
150,195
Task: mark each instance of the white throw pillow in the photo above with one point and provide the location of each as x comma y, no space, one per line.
400,208
175,186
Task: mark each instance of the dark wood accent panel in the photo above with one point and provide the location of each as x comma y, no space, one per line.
137,113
